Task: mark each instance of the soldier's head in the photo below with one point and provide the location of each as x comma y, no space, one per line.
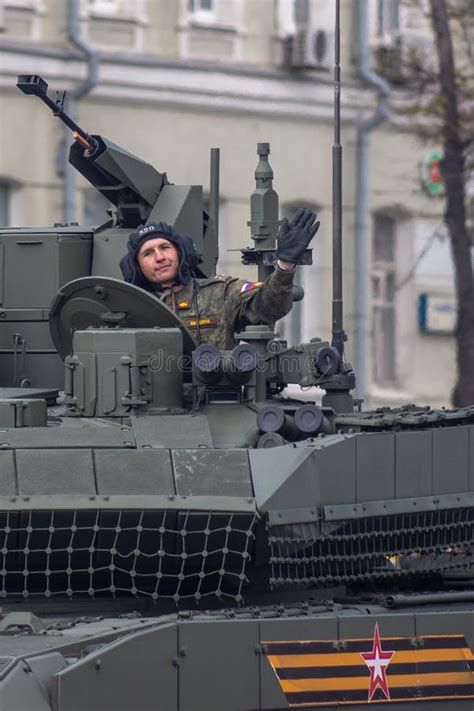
158,257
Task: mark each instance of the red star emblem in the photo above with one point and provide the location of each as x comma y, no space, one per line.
377,661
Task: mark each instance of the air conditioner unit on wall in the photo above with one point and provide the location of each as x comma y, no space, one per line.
312,48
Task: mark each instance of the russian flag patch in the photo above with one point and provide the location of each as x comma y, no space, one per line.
246,286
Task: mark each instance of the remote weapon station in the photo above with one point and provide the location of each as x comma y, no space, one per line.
231,550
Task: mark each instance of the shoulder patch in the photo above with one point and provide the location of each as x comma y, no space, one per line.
248,285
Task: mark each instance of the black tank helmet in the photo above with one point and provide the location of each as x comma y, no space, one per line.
188,255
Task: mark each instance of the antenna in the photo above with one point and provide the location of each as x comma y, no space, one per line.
340,382
338,335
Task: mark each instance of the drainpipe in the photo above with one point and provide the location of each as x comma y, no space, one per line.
362,226
92,57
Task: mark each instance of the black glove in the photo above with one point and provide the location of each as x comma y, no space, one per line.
294,237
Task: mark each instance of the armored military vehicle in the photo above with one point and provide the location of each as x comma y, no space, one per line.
177,535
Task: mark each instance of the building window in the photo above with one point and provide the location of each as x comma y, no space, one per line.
95,208
383,299
211,29
116,8
202,10
22,18
388,18
292,326
5,194
286,18
105,6
115,23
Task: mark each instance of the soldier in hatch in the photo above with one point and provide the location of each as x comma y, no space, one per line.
164,262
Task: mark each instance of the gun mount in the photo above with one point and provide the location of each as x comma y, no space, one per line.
128,182
139,192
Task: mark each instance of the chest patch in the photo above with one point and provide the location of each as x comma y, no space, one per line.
204,322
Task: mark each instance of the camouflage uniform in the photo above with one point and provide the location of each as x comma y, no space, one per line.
216,308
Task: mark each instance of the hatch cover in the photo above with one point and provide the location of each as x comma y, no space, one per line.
95,302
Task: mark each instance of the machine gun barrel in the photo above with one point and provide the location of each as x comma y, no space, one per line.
37,86
128,182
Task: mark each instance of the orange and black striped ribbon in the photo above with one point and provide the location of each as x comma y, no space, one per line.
316,673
